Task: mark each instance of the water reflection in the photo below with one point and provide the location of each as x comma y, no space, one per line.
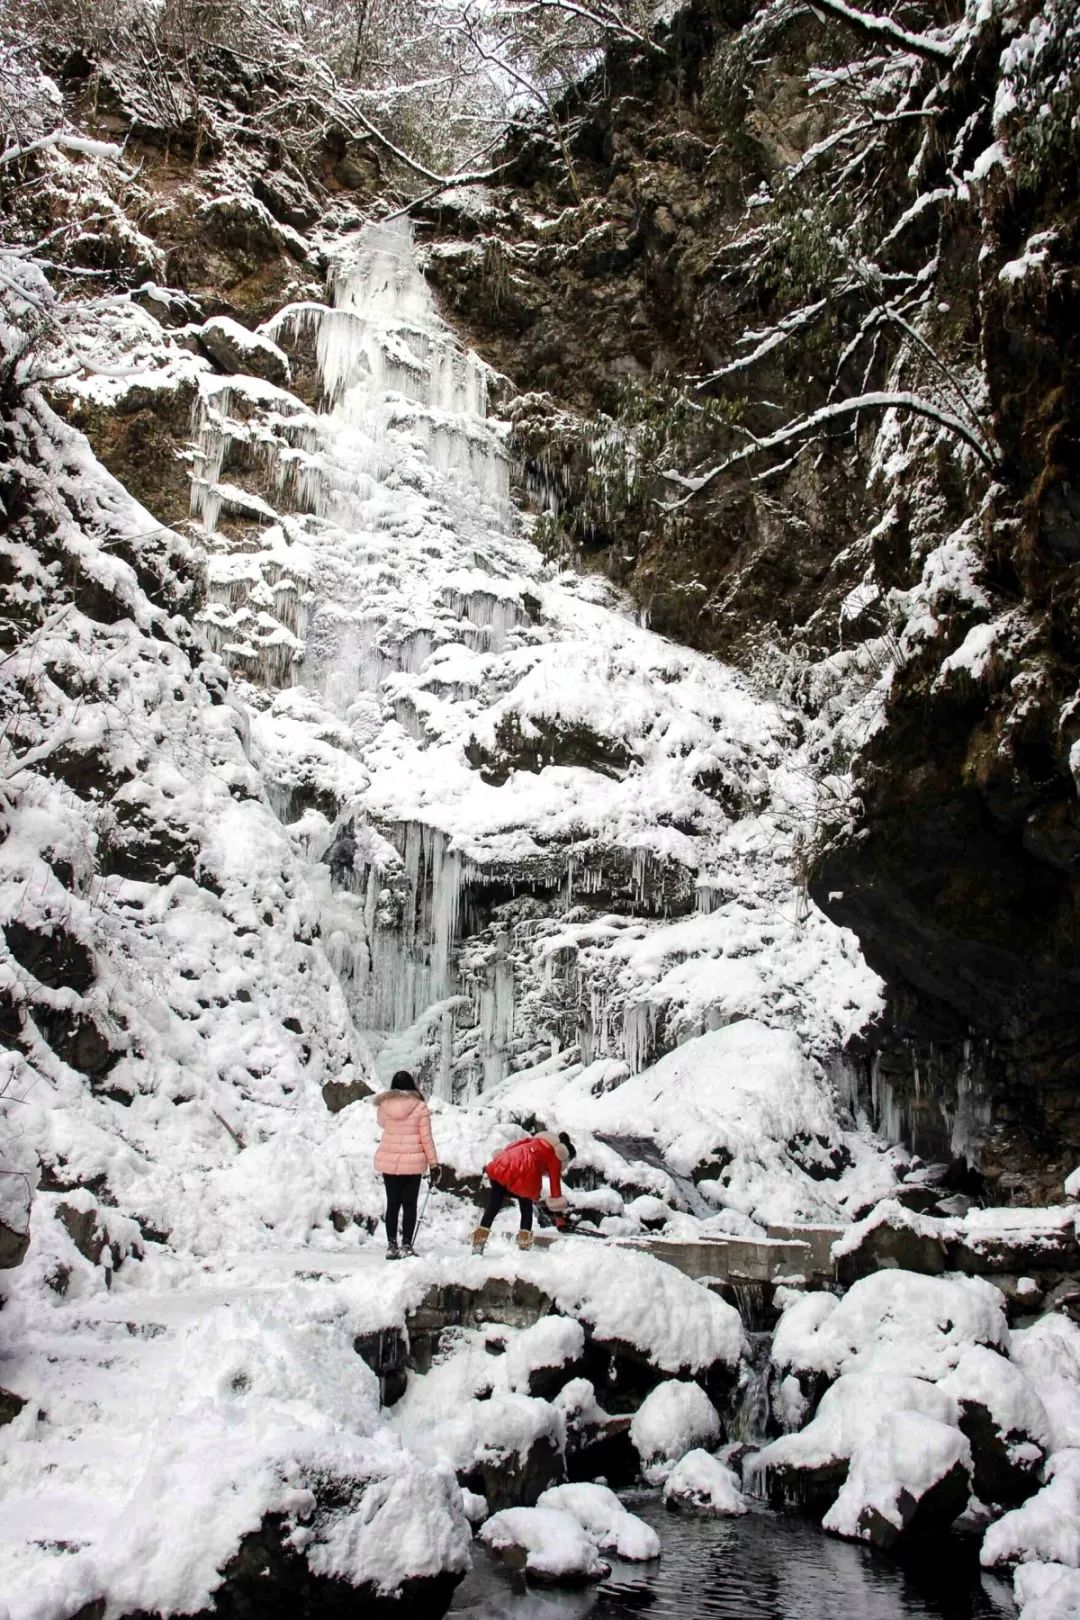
761,1567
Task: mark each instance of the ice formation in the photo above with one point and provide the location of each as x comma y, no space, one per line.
548,829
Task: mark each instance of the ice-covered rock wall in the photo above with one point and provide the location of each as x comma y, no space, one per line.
542,829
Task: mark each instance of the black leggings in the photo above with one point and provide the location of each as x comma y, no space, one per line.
497,1198
401,1195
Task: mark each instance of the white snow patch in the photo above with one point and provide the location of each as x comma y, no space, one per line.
699,1480
674,1418
604,1518
555,1545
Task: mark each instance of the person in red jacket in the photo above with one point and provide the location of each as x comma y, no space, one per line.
518,1171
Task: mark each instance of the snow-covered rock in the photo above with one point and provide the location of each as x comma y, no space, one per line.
1047,1528
1016,1240
505,1446
701,1482
1006,1422
1047,1592
599,1441
1049,1353
603,1517
259,1419
892,1322
237,349
639,1304
909,1481
890,1236
809,1467
674,1418
474,1505
547,1543
539,1359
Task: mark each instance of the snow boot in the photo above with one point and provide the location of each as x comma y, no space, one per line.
525,1240
479,1238
393,1252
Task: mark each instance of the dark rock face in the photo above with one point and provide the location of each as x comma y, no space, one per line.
925,1518
1006,1467
386,1352
602,1451
10,1406
908,1246
810,1490
516,1479
338,1094
949,898
13,1246
266,1579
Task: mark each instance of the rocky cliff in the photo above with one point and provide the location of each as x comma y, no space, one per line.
771,217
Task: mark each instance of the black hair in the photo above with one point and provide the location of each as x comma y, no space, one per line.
567,1144
403,1081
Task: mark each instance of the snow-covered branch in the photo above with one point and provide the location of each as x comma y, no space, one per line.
884,29
70,143
766,342
604,17
807,425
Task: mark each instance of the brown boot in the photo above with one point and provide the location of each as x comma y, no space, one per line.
525,1240
479,1238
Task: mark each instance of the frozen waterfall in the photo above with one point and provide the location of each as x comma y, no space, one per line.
545,834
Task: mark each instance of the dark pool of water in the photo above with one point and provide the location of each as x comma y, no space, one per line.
763,1566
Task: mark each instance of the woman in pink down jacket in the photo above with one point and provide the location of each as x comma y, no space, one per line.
405,1152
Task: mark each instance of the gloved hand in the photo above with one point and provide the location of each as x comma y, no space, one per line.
434,1174
556,1203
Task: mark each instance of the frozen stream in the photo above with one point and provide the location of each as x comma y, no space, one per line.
760,1567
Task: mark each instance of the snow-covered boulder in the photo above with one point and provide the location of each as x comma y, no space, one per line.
1049,1353
255,1426
548,1544
474,1505
239,350
1016,1240
646,1312
540,1358
503,1445
893,1322
1006,1422
890,1236
808,1468
701,1482
597,1442
1047,1592
908,1482
673,1419
603,1517
1047,1528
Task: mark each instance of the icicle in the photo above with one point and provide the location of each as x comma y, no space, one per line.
639,1035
